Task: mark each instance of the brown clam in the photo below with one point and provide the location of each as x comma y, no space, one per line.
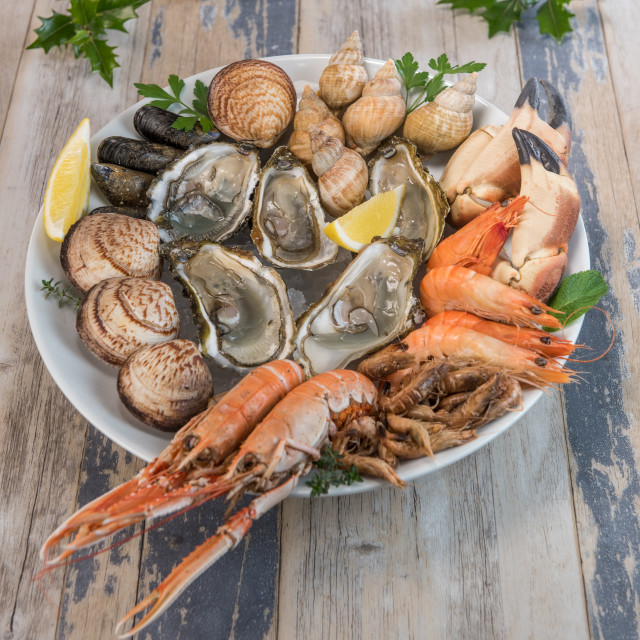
120,315
252,101
109,245
342,173
312,111
165,384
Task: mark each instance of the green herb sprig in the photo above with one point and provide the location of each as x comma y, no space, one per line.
331,472
578,293
64,295
553,15
84,28
189,115
419,86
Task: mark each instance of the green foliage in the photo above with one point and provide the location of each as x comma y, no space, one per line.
189,114
64,295
331,472
84,28
419,86
553,15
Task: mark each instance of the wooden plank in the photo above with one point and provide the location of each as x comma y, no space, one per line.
602,412
456,555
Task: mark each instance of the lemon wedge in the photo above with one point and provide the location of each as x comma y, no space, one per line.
375,217
66,197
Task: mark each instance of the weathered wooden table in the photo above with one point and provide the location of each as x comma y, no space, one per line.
534,536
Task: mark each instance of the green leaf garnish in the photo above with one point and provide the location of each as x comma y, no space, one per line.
84,28
190,115
419,87
553,15
578,293
65,295
330,472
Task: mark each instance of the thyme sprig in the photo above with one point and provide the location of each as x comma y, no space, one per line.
331,472
65,295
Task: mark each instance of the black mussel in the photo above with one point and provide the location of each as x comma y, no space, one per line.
139,155
122,186
132,212
155,125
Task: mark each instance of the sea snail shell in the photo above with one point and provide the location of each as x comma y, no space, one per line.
312,111
342,173
445,122
378,113
165,384
108,245
252,101
343,79
120,315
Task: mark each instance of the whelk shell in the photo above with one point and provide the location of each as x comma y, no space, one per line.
165,384
445,122
378,113
343,79
252,101
312,111
342,173
109,245
120,315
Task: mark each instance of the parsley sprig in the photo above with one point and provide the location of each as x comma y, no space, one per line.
84,28
331,472
189,115
64,294
419,86
553,15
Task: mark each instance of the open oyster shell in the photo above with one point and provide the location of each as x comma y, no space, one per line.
425,206
240,306
288,218
205,194
367,307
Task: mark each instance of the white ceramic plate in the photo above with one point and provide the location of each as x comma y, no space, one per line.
91,386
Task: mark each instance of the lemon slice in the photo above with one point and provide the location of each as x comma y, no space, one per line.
375,217
67,195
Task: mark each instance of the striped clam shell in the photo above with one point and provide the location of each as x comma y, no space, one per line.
252,101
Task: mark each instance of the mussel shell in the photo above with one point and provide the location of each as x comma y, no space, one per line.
108,245
121,186
132,212
166,384
139,155
155,124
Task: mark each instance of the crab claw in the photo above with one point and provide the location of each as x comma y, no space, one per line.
540,238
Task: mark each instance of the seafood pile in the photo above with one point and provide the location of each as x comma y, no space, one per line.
432,370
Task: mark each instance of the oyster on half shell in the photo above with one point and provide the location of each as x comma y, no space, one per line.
206,193
425,206
288,218
367,307
240,306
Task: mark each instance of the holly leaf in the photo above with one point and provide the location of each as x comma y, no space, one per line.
577,294
502,15
553,19
470,5
53,32
101,56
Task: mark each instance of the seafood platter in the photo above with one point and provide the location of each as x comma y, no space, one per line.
232,356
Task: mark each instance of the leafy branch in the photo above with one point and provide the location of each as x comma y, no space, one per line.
553,15
331,472
64,295
189,114
419,86
84,28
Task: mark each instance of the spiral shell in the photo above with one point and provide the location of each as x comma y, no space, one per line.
378,113
108,245
252,101
166,384
120,315
342,173
445,122
343,79
312,111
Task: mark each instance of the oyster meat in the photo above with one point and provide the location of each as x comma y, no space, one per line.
425,206
240,306
205,194
288,218
367,307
